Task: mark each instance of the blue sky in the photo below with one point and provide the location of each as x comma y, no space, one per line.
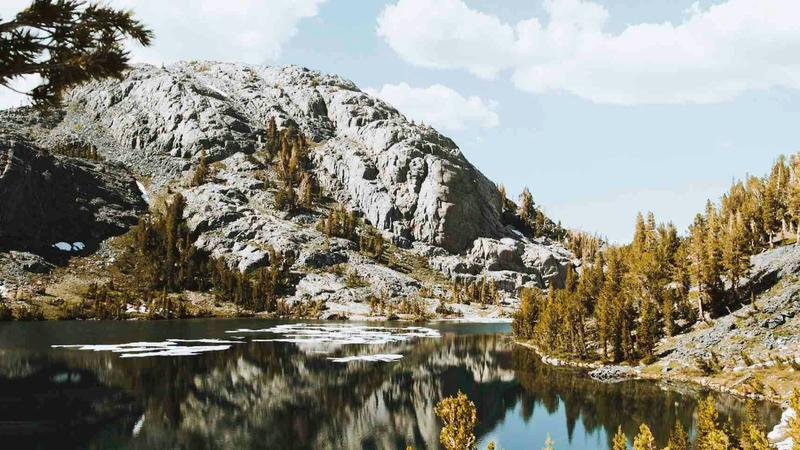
601,108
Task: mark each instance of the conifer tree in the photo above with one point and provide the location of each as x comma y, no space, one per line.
67,42
620,442
460,417
678,439
735,255
644,440
525,210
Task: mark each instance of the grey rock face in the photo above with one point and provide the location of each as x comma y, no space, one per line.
409,181
404,178
46,199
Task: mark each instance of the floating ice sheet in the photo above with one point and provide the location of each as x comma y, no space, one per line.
169,347
303,333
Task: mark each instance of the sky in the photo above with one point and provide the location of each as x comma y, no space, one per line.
602,108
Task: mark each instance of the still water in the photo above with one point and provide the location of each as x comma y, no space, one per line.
239,384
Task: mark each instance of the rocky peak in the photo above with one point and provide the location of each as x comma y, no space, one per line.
405,178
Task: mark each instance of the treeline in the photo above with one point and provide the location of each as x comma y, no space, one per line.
160,257
629,296
529,218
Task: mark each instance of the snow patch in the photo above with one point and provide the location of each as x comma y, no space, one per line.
67,247
148,349
380,357
779,436
143,190
340,334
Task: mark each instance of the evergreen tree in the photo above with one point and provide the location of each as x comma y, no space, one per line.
620,442
526,210
678,439
644,440
67,42
735,254
460,417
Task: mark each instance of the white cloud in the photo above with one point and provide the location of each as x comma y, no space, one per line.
712,55
439,106
253,31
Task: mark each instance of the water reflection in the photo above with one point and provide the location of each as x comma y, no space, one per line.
291,395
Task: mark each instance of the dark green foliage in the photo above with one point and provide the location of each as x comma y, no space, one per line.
161,258
67,42
75,150
371,243
102,302
257,291
291,167
482,290
339,223
528,218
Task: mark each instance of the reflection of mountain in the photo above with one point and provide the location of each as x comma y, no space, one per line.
282,396
54,406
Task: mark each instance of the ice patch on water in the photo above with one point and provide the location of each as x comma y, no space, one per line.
302,333
148,349
380,357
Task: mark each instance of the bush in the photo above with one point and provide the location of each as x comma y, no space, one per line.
339,223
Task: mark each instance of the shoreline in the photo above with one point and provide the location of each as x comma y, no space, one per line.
777,436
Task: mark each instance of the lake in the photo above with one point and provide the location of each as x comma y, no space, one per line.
249,383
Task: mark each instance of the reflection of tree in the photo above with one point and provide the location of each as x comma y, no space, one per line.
278,395
609,405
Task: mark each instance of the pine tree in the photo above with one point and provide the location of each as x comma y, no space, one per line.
460,417
678,439
620,442
644,440
67,42
735,255
306,191
525,210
